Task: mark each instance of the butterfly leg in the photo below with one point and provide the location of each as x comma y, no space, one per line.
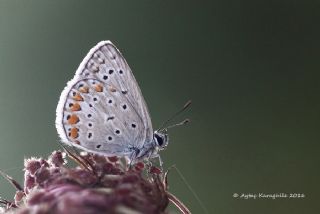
132,157
159,159
160,162
156,155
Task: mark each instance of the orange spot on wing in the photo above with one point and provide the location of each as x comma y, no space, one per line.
84,89
74,133
78,97
73,119
98,88
75,107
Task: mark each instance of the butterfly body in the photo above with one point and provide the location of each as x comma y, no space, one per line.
102,110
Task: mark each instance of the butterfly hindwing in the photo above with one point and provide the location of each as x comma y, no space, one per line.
102,108
99,118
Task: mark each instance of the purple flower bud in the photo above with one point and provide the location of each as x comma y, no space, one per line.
44,162
29,182
57,158
113,159
42,175
32,165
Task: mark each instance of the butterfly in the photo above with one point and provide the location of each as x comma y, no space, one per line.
102,110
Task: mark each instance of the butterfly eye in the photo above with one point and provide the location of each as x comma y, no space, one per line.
159,140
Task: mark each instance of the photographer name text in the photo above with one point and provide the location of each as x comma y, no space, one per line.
269,195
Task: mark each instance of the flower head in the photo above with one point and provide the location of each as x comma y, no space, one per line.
96,185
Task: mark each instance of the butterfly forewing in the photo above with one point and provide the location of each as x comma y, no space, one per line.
102,108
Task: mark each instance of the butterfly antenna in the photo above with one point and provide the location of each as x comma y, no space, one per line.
174,115
178,124
203,207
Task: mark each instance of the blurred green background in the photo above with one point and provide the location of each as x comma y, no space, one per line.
250,67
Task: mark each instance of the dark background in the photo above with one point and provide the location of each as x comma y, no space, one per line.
250,67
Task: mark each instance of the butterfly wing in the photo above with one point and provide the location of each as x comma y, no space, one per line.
102,108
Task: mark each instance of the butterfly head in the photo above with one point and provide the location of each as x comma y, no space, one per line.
161,139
